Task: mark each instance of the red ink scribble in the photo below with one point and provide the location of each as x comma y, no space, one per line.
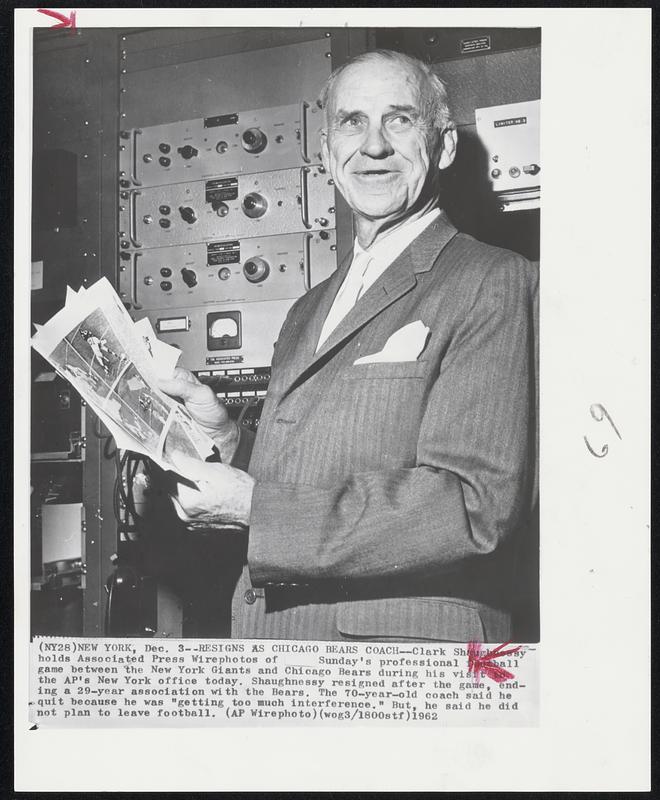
479,661
64,21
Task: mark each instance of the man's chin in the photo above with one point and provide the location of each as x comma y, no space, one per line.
376,212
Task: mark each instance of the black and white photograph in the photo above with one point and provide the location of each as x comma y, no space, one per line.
330,240
391,463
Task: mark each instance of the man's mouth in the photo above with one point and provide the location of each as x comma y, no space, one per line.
373,172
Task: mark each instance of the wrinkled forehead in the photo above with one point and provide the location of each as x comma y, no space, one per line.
377,80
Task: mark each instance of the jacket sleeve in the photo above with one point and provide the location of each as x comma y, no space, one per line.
469,487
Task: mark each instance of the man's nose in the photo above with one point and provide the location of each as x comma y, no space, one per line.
375,143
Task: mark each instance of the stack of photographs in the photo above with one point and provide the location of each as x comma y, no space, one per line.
115,364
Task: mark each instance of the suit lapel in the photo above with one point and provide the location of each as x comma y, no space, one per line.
301,340
397,280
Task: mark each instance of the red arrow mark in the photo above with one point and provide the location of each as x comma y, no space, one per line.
64,21
479,662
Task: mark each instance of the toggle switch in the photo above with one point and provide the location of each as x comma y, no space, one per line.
164,148
531,169
164,161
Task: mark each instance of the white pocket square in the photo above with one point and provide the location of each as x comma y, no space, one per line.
403,345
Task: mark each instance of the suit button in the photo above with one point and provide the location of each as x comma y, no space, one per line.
250,597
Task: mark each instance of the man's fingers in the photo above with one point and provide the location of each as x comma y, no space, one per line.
181,373
185,389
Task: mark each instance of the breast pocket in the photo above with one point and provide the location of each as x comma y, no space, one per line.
388,370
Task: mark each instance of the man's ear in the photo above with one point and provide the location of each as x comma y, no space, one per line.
448,148
325,153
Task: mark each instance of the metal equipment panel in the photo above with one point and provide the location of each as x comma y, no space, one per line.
222,337
222,143
66,92
510,134
156,47
240,206
227,271
493,79
239,81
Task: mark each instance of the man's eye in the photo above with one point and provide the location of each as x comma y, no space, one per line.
399,122
351,122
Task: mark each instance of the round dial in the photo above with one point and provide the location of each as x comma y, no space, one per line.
256,269
254,140
254,205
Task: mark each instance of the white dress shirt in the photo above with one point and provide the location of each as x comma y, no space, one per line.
368,265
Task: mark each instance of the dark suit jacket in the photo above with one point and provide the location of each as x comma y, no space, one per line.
388,496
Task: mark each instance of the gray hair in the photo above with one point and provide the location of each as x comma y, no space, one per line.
435,100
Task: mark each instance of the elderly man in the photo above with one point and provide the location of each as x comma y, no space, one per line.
392,471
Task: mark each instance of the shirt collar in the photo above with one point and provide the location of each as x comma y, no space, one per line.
393,243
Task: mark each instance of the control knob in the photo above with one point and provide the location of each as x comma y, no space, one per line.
189,277
188,214
187,151
254,140
254,205
256,269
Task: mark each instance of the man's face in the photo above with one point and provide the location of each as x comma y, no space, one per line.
378,147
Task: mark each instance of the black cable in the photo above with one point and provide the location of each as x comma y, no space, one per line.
97,431
106,448
253,401
131,472
107,620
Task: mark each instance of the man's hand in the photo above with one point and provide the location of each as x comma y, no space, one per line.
205,408
218,496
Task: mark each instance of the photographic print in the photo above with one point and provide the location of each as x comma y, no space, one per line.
328,473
